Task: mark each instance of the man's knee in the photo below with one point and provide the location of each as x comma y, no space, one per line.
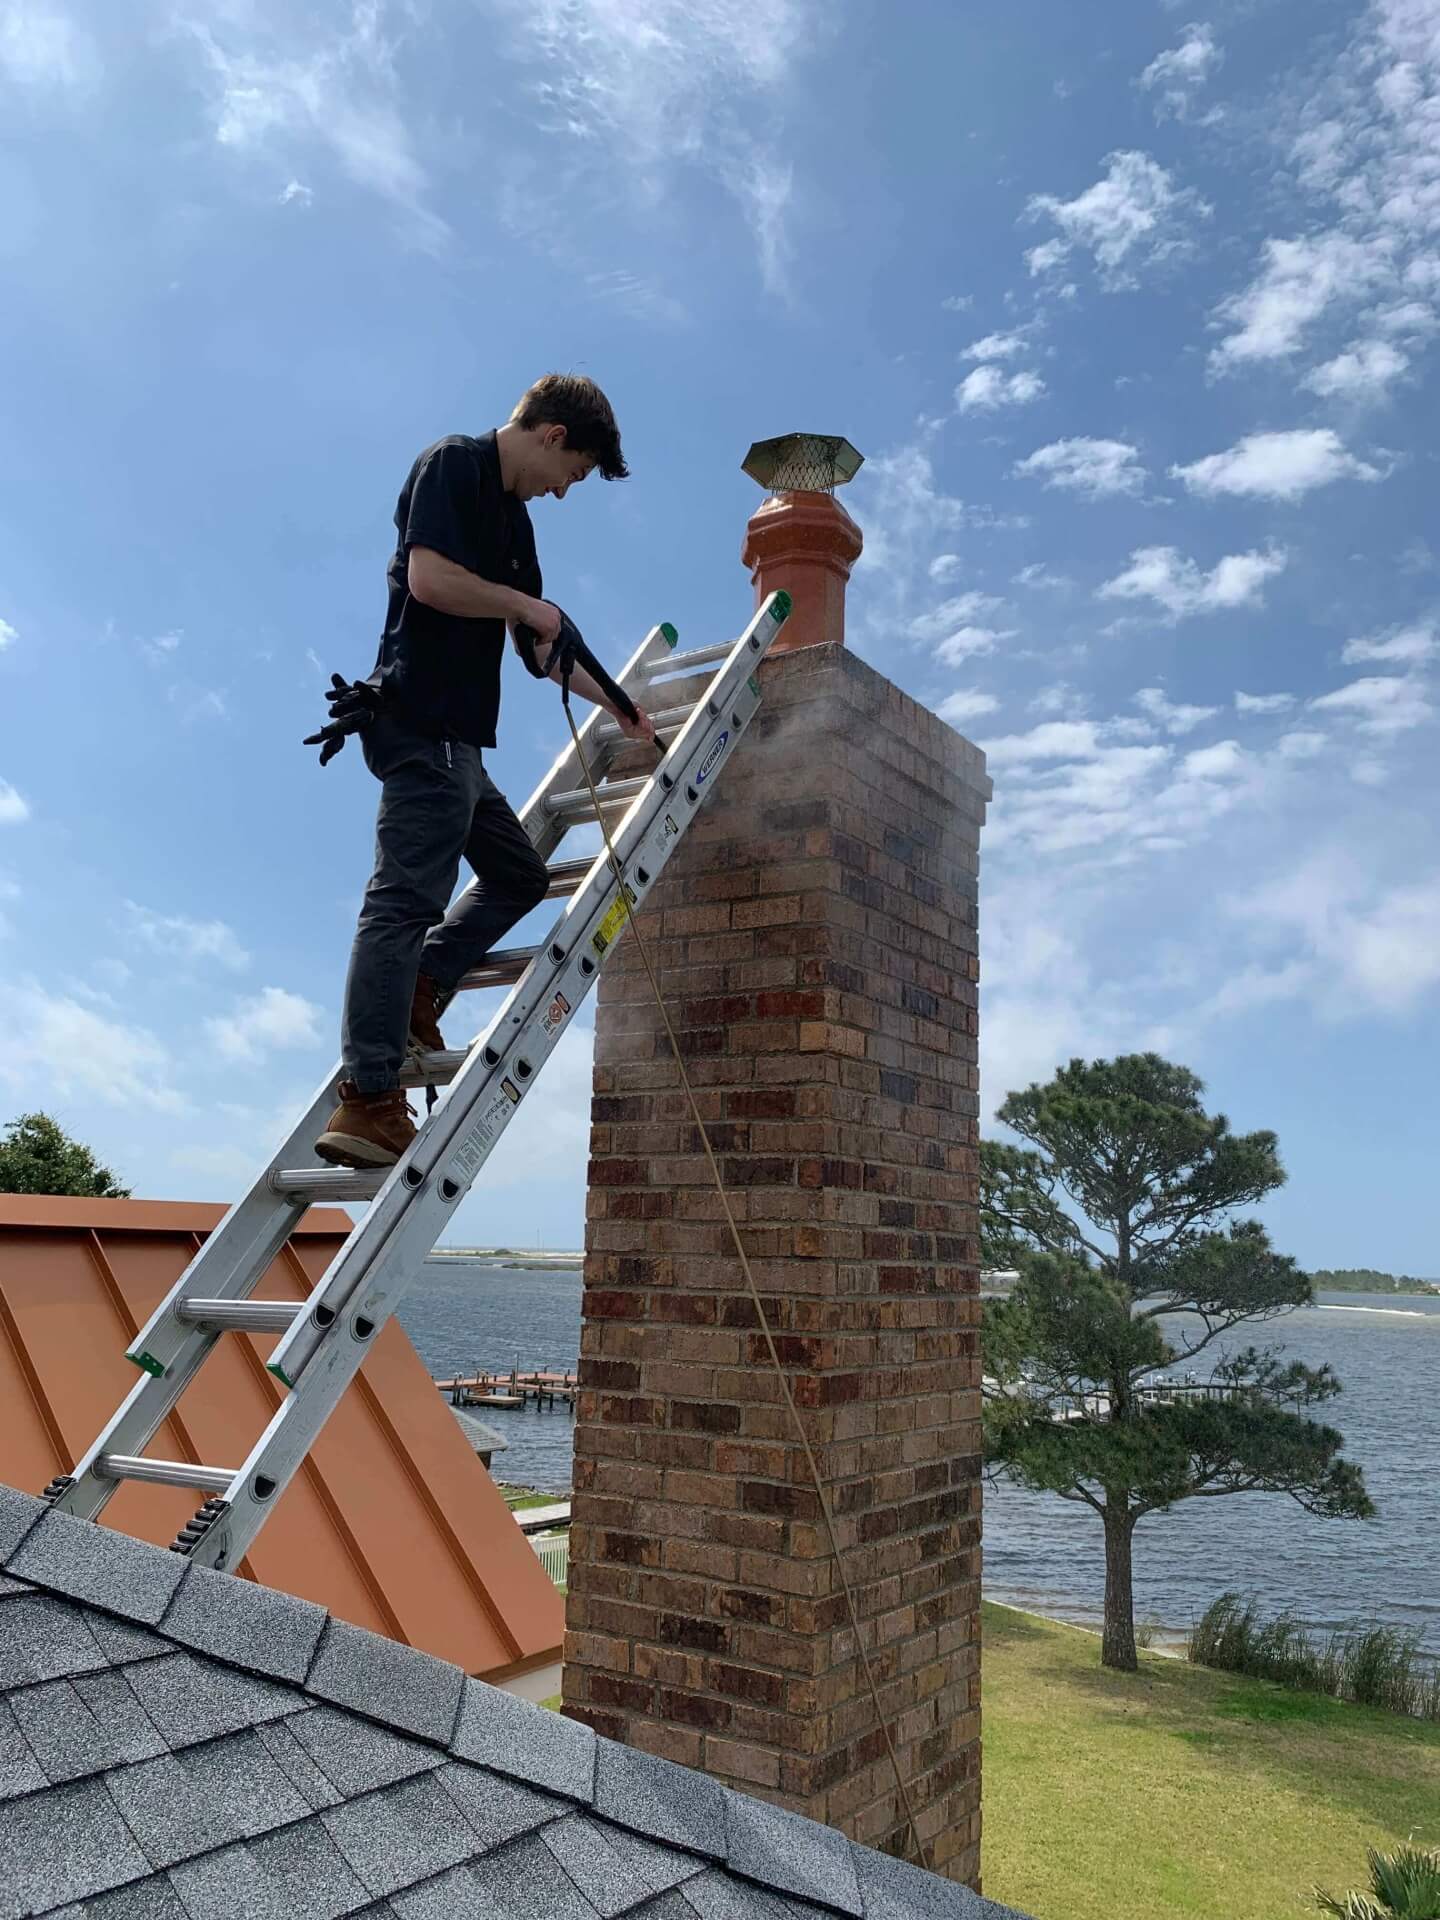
534,884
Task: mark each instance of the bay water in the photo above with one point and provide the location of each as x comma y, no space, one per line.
1044,1553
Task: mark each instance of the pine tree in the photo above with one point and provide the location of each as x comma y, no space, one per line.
1117,1214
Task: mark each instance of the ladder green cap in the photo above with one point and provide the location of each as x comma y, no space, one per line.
668,633
781,609
147,1363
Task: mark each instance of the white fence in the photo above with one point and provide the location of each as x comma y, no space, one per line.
554,1552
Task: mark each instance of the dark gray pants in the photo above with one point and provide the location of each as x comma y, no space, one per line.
437,803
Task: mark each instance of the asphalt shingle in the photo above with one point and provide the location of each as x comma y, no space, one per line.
194,1700
356,1757
298,1767
607,1880
9,1586
42,1638
715,1896
150,1899
791,1854
526,1882
497,1730
18,1514
896,1890
63,1845
658,1798
20,1771
123,1643
667,1906
184,1804
400,1835
98,1565
81,1726
248,1625
310,1871
496,1810
230,1882
659,1867
399,1685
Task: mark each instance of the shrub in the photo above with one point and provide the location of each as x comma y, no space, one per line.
1367,1666
1404,1885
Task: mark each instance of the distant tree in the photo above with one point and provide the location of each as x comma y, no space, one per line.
1115,1216
38,1156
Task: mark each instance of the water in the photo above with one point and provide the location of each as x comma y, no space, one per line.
463,1317
1043,1553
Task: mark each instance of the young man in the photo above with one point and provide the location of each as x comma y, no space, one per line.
464,570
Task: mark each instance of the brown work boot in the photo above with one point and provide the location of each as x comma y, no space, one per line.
367,1129
425,1034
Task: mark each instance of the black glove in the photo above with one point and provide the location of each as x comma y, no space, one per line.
568,652
353,705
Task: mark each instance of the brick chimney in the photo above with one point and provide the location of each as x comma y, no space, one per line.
815,937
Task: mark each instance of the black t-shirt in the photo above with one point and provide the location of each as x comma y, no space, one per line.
440,672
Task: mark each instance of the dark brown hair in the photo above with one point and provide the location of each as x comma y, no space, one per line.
573,401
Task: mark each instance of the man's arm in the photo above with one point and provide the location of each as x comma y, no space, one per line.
439,583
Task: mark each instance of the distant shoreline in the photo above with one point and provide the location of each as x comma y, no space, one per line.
514,1259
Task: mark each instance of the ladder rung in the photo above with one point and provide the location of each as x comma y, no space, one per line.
502,968
164,1473
239,1316
577,802
312,1184
688,662
567,877
609,730
433,1069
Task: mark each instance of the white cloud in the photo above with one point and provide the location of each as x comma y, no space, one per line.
905,513
1301,745
1225,760
1296,284
1407,647
1095,467
966,642
998,346
269,1020
1276,466
945,567
1382,704
296,193
43,48
1039,577
339,92
958,303
161,648
1047,256
960,611
1169,716
957,708
1132,215
1263,702
988,388
180,938
1363,371
1178,74
1053,740
1179,586
1371,945
51,1046
8,635
13,808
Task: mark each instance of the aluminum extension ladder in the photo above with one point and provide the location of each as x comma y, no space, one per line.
324,1339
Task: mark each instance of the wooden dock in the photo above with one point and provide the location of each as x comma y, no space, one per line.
512,1389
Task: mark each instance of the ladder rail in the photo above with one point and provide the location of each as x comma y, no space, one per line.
389,1248
327,1336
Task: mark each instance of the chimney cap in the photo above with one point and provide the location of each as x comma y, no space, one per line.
803,462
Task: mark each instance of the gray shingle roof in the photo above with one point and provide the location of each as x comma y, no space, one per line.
182,1745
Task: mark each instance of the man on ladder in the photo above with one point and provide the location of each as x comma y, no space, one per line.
464,569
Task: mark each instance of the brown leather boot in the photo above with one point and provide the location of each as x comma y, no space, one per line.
367,1129
425,1034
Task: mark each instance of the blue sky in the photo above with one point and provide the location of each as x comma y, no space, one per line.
1132,310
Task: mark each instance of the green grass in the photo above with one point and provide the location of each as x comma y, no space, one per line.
1180,1791
517,1498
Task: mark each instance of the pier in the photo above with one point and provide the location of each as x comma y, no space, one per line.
512,1388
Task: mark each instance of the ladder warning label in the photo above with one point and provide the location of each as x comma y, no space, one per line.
613,921
555,1014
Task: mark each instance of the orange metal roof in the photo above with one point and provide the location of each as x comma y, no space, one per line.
392,1522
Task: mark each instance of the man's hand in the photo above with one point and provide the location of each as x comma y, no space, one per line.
542,619
642,727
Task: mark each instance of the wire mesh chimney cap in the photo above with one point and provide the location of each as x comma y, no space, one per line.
803,463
